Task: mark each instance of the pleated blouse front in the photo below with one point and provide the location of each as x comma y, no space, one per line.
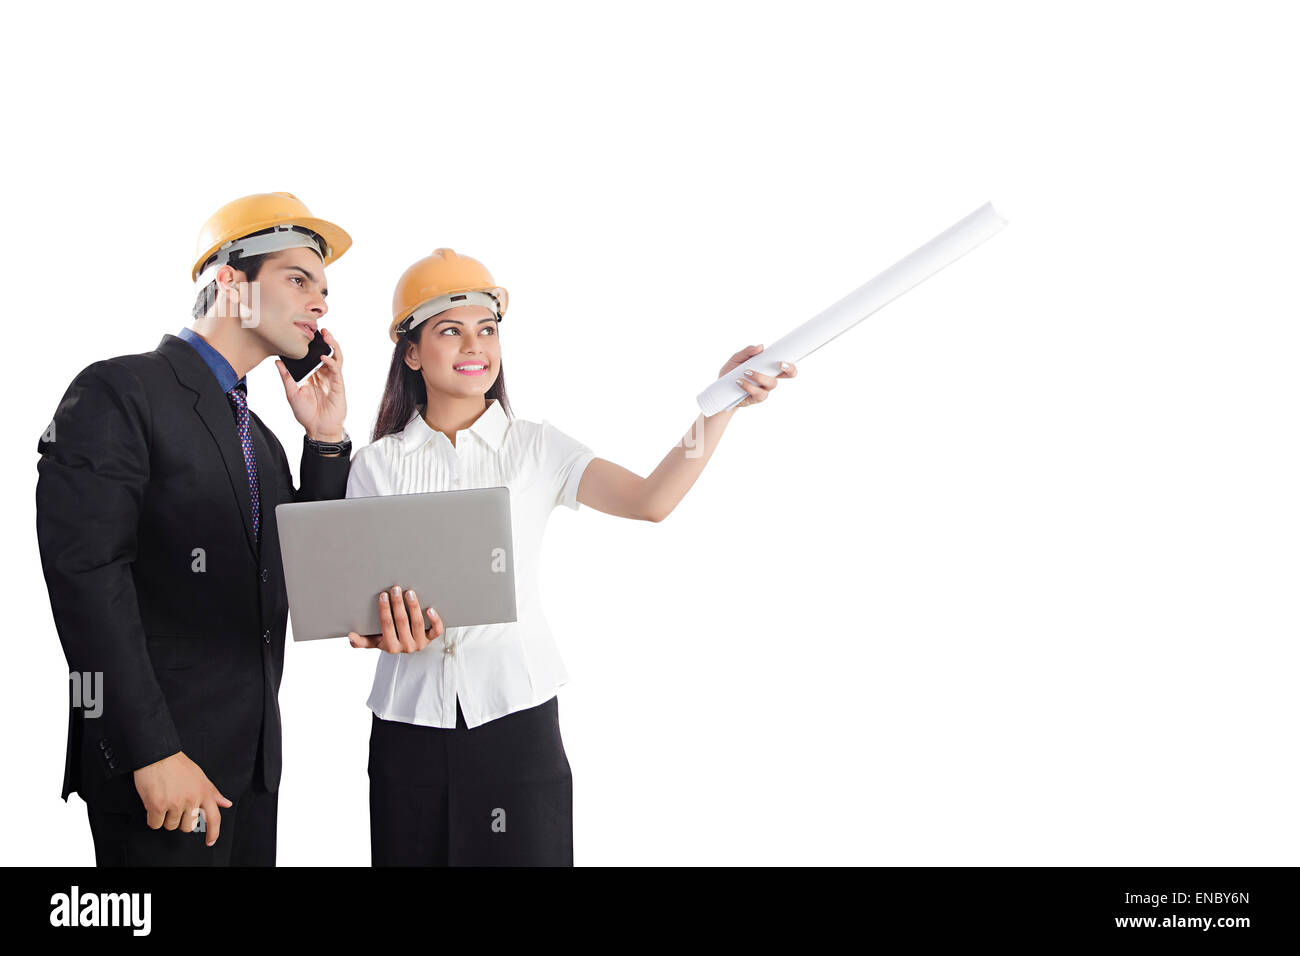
493,669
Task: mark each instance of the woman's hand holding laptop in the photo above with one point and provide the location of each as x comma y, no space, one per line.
403,625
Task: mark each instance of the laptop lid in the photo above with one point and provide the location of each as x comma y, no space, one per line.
455,548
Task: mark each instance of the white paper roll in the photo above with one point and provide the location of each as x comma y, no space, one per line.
945,248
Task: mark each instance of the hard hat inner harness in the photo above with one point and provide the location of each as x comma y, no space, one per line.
276,239
449,301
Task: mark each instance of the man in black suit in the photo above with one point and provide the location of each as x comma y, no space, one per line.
156,518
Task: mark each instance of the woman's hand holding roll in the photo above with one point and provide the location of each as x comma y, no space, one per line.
403,626
756,384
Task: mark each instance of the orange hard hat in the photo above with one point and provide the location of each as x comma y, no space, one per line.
242,217
443,281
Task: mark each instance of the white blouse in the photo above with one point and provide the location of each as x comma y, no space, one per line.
495,669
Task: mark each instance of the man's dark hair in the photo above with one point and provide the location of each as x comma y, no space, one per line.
249,266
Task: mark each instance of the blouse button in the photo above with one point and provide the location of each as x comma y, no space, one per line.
450,648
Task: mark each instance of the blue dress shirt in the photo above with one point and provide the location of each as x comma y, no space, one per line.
226,377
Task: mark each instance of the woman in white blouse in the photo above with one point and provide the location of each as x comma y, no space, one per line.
467,765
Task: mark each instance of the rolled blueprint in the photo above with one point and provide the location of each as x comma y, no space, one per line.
945,248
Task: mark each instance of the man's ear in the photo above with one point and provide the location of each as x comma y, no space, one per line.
228,275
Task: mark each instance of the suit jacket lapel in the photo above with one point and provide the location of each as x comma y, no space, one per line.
214,408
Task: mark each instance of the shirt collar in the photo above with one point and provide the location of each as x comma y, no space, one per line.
490,427
226,376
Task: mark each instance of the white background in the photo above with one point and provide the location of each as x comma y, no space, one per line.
1005,576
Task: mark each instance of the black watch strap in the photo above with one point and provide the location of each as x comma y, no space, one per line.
330,447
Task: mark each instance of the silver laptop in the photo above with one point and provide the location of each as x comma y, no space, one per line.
455,548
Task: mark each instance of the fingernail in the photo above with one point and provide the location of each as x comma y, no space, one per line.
384,597
740,381
410,595
749,371
785,366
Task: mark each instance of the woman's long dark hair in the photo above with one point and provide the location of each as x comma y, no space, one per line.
405,390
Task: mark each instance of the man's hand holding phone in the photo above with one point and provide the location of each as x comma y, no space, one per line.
318,401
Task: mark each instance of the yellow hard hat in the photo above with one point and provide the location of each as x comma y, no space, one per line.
240,218
443,281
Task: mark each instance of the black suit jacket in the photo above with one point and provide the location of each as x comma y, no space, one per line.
146,538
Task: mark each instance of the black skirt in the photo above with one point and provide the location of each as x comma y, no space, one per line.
500,794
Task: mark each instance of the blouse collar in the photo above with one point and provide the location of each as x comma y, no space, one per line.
490,427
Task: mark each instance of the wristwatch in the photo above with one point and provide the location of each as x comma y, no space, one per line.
343,447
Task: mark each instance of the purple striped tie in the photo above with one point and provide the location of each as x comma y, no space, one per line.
237,396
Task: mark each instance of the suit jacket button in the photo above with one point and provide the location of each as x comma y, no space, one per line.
108,754
266,575
103,745
112,765
266,636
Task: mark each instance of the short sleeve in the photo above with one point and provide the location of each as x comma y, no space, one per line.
564,459
362,480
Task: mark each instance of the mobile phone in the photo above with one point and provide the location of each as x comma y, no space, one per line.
300,369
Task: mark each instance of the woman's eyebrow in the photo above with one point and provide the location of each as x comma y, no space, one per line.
323,292
459,322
